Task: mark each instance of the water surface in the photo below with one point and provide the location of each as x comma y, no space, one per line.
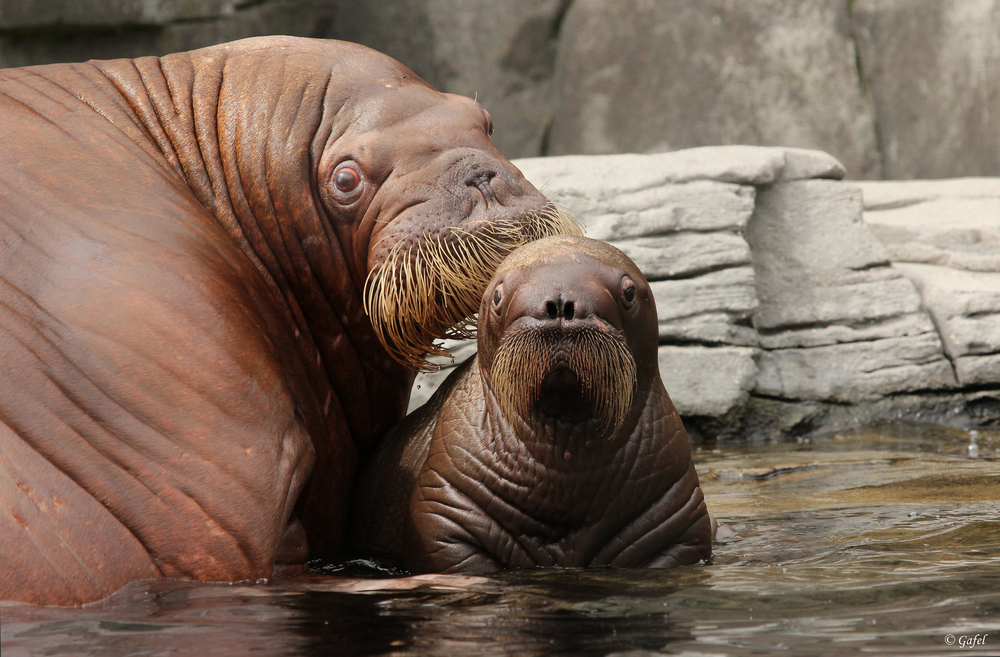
882,541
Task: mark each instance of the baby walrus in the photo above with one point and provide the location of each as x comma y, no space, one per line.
556,446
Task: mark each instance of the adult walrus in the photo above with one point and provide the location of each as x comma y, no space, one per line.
557,445
188,246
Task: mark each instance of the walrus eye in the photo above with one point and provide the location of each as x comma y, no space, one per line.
628,292
347,179
497,297
489,123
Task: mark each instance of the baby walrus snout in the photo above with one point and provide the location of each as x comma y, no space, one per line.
562,355
556,446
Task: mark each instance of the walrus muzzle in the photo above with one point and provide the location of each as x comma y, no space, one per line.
431,289
600,360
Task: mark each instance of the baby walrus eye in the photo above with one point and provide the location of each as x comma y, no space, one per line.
628,292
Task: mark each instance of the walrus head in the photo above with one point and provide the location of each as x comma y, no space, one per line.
563,323
435,202
324,157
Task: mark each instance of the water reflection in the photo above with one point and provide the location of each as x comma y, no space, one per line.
881,542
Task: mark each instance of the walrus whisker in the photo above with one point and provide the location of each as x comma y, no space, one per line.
431,290
602,361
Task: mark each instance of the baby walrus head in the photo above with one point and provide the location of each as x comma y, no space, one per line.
562,325
556,446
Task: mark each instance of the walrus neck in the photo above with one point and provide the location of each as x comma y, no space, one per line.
568,469
252,171
576,445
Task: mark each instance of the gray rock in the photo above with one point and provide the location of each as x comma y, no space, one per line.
966,309
931,68
855,372
705,381
686,254
978,370
955,223
696,206
58,44
714,307
42,13
839,323
502,54
770,420
914,323
817,263
890,194
743,165
643,76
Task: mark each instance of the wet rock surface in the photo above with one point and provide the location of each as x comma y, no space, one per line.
793,303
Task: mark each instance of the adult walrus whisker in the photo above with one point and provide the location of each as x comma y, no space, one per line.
431,290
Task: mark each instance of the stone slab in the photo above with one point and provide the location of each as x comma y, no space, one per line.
685,254
707,381
740,165
855,372
978,370
817,263
818,336
710,328
955,223
731,291
889,194
965,307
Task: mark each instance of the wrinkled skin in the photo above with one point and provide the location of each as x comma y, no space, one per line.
463,486
189,376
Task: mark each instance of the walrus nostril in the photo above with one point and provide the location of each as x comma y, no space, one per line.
559,308
481,182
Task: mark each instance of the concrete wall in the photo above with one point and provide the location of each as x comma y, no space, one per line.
892,88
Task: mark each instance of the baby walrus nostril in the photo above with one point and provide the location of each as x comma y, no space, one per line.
556,446
559,308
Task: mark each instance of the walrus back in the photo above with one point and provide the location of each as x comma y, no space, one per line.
134,336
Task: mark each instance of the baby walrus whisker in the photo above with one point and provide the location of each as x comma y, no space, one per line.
556,446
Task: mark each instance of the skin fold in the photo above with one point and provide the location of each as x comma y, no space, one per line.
190,376
529,467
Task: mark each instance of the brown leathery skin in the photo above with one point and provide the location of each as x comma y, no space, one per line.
188,370
467,486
